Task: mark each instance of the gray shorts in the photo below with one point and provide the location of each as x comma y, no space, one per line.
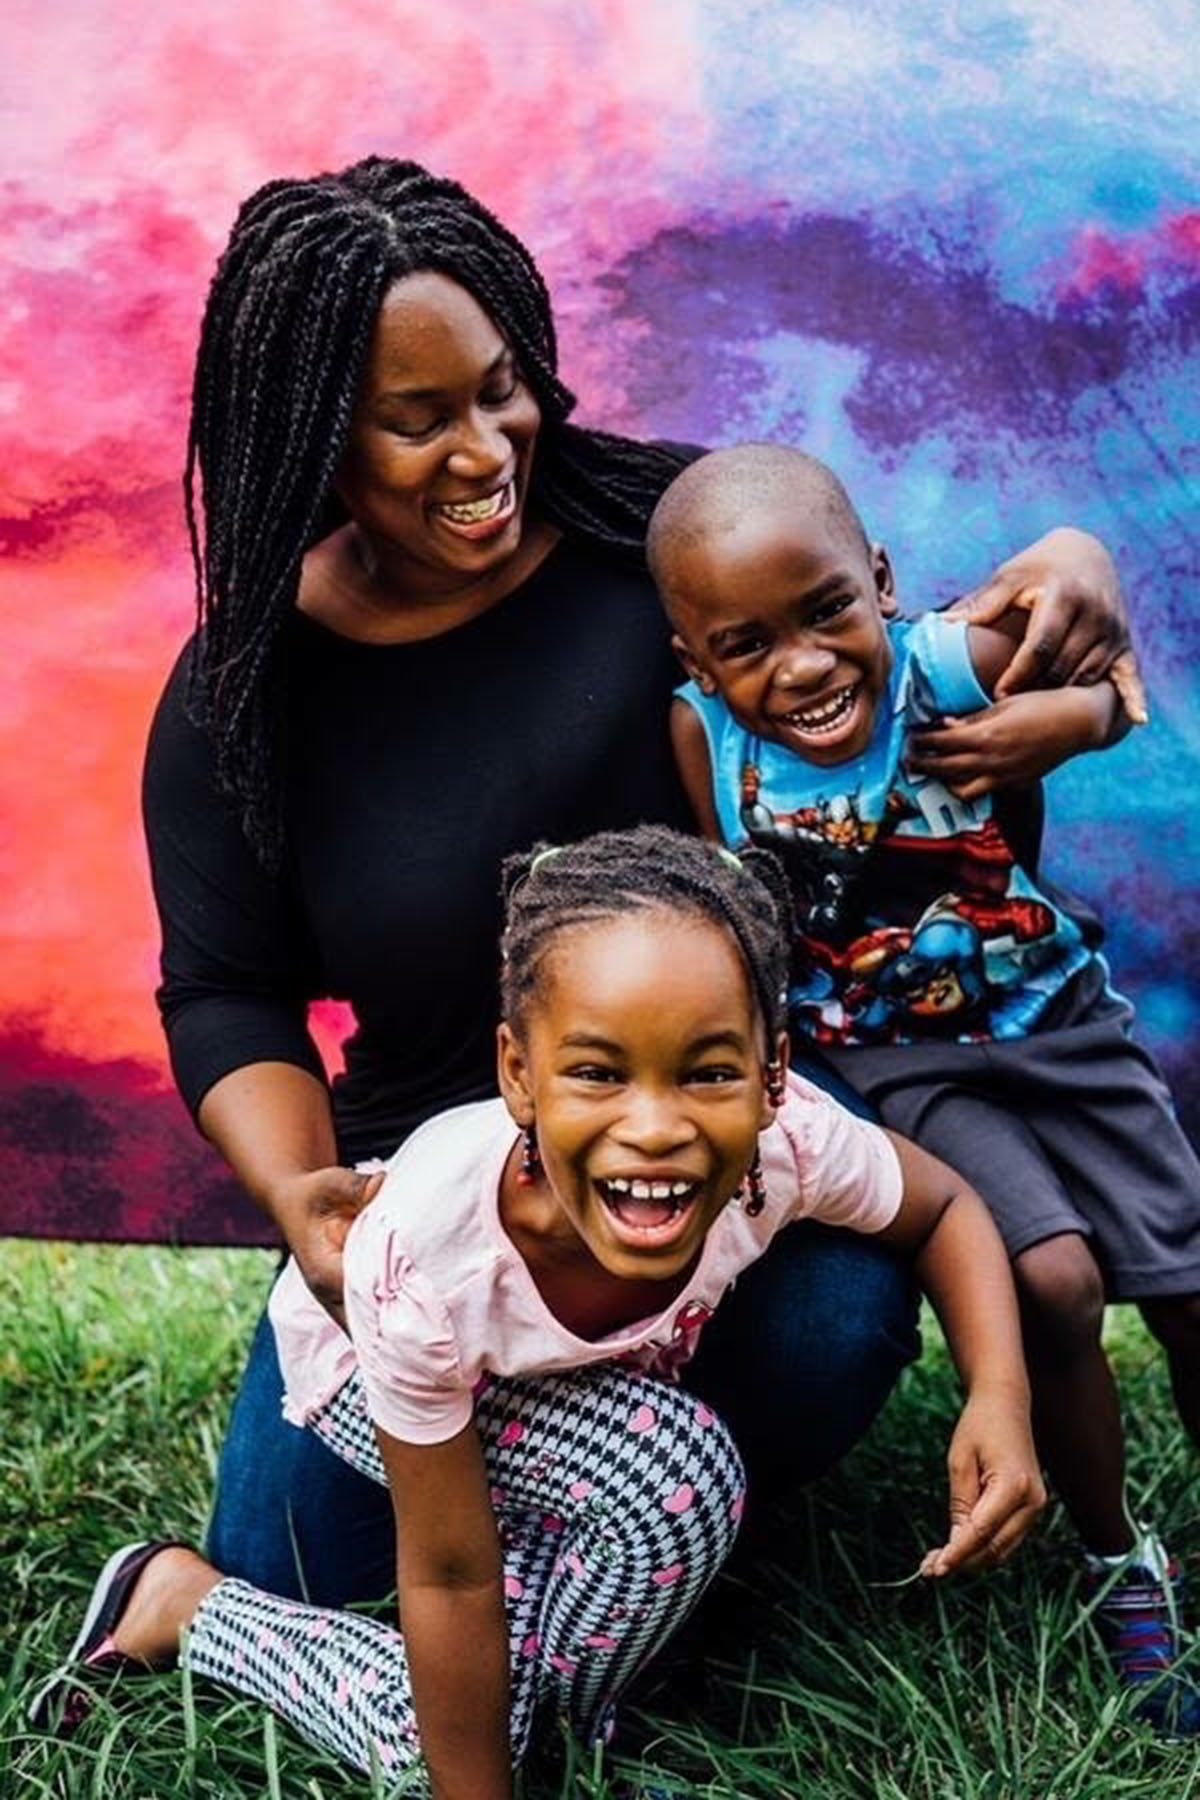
1071,1129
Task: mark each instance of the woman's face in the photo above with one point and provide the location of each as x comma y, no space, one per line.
436,469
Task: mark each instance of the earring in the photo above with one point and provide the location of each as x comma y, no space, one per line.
531,1159
776,1081
754,1188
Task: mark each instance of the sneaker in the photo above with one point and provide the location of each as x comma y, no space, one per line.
63,1702
1138,1603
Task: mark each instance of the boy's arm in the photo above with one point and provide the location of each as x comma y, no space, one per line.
996,1488
1018,740
690,744
449,1585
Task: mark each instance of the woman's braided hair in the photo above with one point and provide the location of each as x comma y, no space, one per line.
549,889
283,344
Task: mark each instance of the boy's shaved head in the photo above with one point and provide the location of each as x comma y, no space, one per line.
729,491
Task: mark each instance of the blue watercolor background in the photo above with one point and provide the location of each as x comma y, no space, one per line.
955,249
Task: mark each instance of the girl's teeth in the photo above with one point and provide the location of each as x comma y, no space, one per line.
651,1190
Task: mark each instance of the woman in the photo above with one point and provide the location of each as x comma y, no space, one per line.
428,638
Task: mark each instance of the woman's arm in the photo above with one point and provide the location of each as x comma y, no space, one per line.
272,1123
450,1587
1078,629
236,975
996,1488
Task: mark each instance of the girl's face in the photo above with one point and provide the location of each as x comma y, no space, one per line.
437,466
642,1063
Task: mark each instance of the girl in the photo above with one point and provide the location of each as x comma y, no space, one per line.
533,1273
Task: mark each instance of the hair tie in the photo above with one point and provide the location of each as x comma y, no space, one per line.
542,857
735,862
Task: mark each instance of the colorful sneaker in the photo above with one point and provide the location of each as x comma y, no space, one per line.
1137,1612
63,1701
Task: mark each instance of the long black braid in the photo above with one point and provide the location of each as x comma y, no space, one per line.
549,889
283,343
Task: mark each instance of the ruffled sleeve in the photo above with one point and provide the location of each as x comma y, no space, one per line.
404,1339
841,1169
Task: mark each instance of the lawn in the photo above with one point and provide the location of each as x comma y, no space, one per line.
812,1676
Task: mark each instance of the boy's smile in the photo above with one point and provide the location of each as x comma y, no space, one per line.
782,617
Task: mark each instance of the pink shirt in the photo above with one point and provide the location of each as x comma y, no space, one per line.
437,1296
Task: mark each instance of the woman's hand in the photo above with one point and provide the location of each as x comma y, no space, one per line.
315,1211
1078,629
272,1123
996,1486
1016,741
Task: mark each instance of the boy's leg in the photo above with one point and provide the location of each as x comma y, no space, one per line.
1076,1409
290,1516
1175,1322
1101,1110
1077,1421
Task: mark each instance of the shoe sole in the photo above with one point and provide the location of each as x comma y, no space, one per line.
96,1605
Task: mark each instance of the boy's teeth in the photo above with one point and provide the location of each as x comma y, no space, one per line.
823,718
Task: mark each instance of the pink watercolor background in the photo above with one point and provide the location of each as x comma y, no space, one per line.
137,131
757,219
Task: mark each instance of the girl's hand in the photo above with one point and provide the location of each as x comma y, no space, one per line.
1015,742
996,1486
315,1212
1078,629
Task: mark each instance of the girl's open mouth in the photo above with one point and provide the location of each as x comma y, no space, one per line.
647,1213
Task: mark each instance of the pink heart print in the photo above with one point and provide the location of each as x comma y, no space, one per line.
704,1417
665,1577
579,1490
513,1432
514,1587
681,1500
644,1419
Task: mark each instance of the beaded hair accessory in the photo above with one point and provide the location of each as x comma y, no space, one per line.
531,1159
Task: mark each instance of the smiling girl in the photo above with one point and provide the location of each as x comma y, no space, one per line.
530,1276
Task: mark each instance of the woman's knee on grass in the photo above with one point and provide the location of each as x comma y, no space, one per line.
1061,1290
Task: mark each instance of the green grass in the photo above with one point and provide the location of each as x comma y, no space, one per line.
116,1368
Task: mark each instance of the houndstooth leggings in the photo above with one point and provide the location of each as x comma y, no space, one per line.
617,1499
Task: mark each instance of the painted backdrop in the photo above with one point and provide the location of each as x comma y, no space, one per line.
953,248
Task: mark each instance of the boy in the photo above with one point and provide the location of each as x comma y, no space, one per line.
954,991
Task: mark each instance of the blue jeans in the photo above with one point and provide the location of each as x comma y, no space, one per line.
798,1359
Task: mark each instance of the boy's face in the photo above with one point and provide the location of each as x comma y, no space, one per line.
784,619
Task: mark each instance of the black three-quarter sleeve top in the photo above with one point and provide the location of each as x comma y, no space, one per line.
413,769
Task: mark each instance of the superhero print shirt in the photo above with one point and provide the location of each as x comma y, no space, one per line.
914,918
